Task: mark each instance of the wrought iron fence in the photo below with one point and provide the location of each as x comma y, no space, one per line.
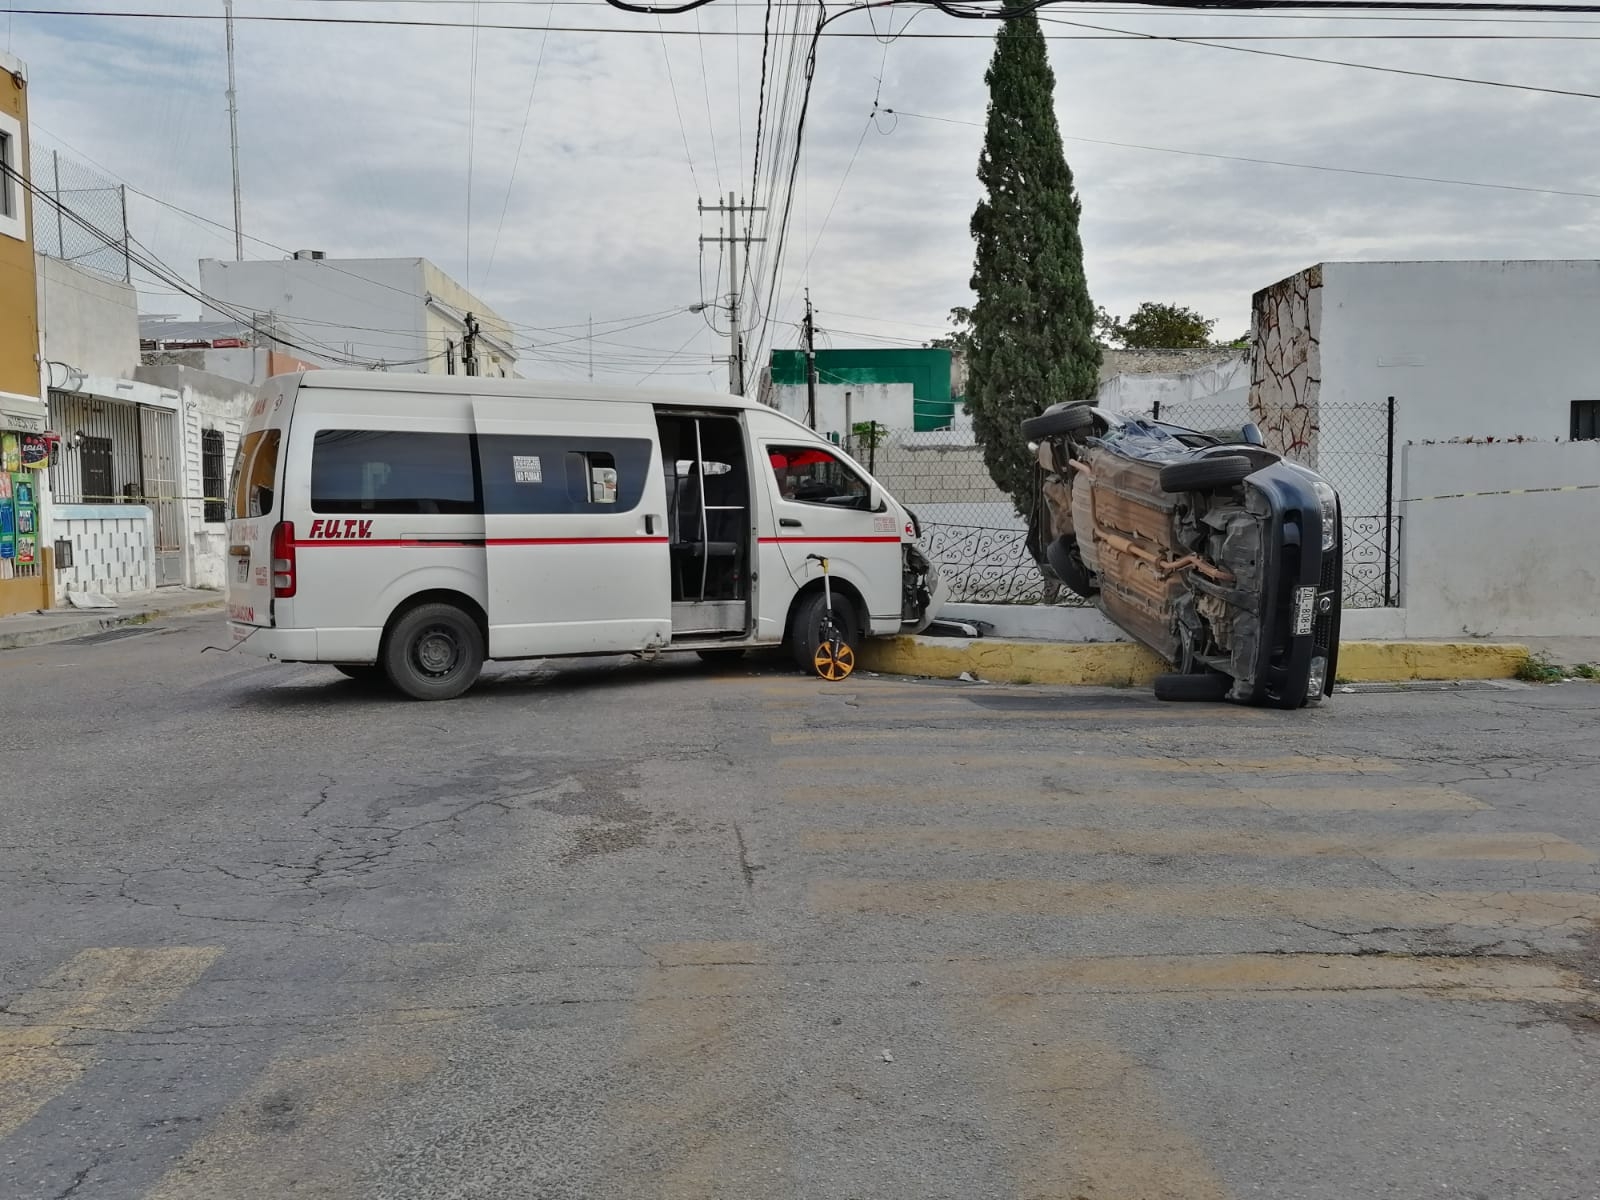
971,529
99,201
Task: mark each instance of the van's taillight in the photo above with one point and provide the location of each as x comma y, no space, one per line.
283,576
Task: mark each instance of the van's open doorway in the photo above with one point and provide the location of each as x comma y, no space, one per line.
709,523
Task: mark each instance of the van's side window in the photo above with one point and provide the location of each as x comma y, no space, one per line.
529,474
813,476
386,471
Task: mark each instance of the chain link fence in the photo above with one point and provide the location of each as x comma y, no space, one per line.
971,530
99,201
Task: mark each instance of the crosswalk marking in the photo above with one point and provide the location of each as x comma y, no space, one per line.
1515,847
282,1137
700,1118
1289,764
1052,897
50,1035
1377,799
1090,1120
1285,976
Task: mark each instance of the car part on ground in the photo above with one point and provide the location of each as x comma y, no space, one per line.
1216,552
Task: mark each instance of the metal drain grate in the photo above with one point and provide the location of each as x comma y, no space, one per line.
109,635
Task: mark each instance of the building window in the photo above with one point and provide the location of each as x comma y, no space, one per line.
211,455
13,203
8,187
1585,420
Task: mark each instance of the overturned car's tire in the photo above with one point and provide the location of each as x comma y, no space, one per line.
1206,474
1210,686
1066,560
1059,420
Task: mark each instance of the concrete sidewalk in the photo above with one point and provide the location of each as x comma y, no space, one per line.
60,624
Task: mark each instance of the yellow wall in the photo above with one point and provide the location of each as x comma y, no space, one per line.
19,303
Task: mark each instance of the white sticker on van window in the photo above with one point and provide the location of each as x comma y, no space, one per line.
525,468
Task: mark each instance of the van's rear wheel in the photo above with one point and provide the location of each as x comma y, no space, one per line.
805,635
434,652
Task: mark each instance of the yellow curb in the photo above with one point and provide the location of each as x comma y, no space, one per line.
1395,662
1124,664
1002,661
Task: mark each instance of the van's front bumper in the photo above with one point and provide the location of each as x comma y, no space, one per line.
279,645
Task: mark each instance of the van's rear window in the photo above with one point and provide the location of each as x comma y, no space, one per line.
255,473
383,471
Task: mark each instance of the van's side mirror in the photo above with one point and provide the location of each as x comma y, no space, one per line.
1252,434
877,500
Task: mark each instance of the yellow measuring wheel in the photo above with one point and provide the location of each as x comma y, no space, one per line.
834,660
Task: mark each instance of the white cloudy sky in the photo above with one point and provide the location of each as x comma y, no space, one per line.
356,141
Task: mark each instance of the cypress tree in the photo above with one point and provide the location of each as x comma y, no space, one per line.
1032,338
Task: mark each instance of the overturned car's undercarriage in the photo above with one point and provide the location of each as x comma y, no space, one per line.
1215,552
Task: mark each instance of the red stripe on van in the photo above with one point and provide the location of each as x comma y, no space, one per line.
435,543
894,537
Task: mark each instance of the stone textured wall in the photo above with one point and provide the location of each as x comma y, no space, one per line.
1286,374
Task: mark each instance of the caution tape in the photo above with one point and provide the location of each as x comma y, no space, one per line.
1570,487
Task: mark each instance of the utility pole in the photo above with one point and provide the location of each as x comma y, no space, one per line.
233,137
591,347
810,331
469,346
731,239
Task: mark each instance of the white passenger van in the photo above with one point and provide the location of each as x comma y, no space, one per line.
411,526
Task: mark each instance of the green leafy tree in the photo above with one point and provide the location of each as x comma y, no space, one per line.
959,338
1156,326
1032,334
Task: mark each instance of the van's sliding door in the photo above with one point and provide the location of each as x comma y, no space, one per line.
575,527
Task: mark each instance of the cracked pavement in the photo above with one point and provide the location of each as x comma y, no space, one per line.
609,928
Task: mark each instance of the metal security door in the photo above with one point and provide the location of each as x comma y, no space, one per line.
158,452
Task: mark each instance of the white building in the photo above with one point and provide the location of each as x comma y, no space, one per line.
403,312
132,499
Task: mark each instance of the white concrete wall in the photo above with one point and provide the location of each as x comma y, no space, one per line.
113,548
89,324
1525,564
1469,349
892,405
1222,385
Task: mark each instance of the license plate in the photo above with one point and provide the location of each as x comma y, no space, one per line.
1305,608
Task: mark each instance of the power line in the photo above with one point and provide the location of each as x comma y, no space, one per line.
472,136
488,26
682,129
1273,162
516,158
1333,62
705,87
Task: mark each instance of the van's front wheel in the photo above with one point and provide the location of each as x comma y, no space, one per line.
434,652
806,634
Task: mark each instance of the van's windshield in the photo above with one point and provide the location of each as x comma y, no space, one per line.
255,468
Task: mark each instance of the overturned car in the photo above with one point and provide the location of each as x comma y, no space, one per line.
1217,553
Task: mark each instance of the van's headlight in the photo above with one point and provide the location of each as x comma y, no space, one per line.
1328,502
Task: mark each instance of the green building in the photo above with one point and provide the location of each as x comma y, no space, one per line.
926,370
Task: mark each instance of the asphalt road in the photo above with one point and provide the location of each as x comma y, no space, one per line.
651,931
